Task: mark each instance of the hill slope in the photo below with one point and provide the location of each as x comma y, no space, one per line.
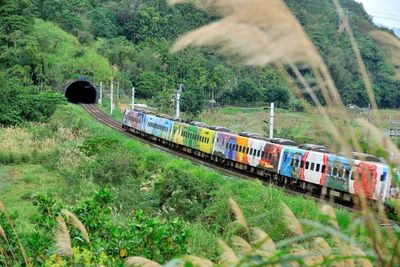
135,36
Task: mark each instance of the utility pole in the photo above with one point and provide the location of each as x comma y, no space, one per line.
112,97
133,97
178,101
101,94
271,121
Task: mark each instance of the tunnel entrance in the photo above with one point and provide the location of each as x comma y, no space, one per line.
81,92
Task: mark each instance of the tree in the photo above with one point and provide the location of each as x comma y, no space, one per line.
149,84
192,101
246,92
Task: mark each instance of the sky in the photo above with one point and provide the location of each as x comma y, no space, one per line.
384,12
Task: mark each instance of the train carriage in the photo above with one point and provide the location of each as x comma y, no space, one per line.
194,137
134,119
158,127
371,178
249,151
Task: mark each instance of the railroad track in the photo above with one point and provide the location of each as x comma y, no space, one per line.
103,118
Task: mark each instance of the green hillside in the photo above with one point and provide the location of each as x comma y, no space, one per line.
135,37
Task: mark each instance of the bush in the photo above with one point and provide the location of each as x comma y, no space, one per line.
298,105
138,234
112,167
183,193
19,104
246,92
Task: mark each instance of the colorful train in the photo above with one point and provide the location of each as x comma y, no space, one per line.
310,168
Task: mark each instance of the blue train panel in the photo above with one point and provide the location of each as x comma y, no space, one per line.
159,127
291,162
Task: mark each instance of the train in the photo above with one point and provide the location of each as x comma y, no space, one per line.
307,167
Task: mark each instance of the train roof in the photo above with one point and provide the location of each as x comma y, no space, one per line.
199,124
365,157
282,141
313,147
220,129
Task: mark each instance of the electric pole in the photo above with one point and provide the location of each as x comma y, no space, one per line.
112,97
271,121
101,94
178,101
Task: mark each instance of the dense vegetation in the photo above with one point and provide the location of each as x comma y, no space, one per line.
135,36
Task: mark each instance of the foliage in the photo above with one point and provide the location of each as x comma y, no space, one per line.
95,145
254,247
138,235
19,103
246,92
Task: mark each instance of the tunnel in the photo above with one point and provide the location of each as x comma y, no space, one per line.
81,91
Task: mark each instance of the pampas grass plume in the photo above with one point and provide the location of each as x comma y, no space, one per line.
140,262
238,214
72,219
63,239
291,221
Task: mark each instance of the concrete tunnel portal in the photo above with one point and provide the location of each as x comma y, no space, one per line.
81,91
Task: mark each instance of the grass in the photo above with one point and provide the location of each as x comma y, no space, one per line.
19,183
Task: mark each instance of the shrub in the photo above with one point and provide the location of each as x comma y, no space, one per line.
180,192
96,145
112,167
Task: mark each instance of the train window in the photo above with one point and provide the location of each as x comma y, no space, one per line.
236,148
258,153
301,164
251,151
208,140
270,156
307,165
243,149
323,168
227,144
247,150
335,171
383,177
217,139
312,166
230,146
262,154
296,162
341,173
254,152
317,167
346,174
240,148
